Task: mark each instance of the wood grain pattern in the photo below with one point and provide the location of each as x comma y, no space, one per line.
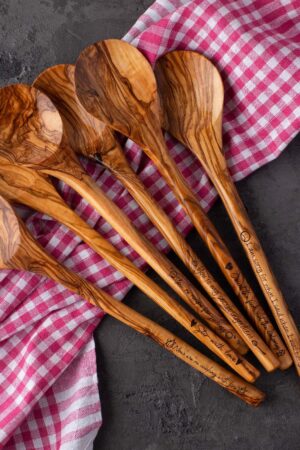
82,132
116,84
18,250
62,164
26,186
192,94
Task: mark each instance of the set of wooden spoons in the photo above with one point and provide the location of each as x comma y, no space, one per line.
77,109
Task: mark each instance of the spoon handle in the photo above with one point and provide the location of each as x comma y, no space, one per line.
32,257
260,265
31,187
88,189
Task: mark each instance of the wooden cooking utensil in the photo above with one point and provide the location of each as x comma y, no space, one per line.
115,83
18,250
31,134
87,135
192,94
24,185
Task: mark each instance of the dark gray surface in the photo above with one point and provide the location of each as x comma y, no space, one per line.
150,400
35,34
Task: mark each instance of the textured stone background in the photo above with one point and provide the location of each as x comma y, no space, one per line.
150,400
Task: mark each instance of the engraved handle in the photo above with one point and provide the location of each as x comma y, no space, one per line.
261,268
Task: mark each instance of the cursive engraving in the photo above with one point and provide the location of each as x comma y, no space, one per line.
252,247
225,380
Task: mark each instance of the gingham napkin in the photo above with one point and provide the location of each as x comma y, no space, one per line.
48,385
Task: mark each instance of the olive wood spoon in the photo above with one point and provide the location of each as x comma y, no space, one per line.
18,250
115,83
30,136
86,135
26,186
192,94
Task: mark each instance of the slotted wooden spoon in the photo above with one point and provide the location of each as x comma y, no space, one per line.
115,83
192,94
18,250
26,186
30,136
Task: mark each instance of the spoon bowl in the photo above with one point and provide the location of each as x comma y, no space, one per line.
30,127
81,131
101,72
201,109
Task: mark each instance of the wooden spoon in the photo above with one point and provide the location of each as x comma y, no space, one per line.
192,94
18,250
24,185
86,135
31,134
115,83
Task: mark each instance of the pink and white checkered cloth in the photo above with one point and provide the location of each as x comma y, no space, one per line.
48,384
